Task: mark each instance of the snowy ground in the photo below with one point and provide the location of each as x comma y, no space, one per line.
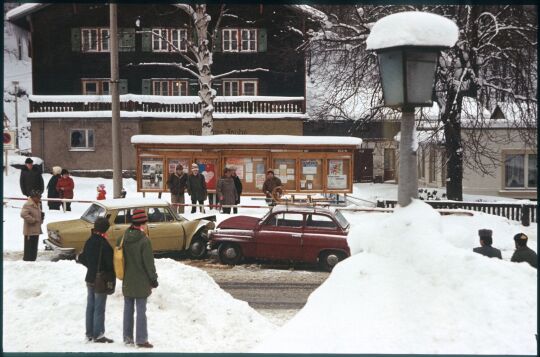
413,285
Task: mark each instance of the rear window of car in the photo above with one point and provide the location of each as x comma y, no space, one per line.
341,219
93,212
320,221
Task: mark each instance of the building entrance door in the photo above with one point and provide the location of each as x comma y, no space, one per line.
363,165
389,164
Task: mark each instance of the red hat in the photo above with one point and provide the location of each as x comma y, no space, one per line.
139,216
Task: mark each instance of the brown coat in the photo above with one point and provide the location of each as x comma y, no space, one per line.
31,213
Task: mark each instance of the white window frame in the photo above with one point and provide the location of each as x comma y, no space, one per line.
241,40
227,44
164,36
183,86
100,34
99,85
525,155
87,147
227,83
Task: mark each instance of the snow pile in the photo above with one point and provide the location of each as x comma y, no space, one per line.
410,288
412,28
14,159
188,312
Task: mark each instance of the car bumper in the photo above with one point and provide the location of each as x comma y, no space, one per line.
65,252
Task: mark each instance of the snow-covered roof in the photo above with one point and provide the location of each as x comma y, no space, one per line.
247,140
132,202
470,109
142,98
23,10
163,115
412,28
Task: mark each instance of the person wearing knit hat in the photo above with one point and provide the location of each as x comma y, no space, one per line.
51,189
140,277
485,245
524,253
97,255
196,187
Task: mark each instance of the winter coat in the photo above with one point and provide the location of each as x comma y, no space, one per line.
31,180
65,186
101,194
139,269
269,185
226,191
488,251
525,254
238,185
31,213
177,184
196,186
90,255
53,193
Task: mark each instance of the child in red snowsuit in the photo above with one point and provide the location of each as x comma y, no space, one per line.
101,192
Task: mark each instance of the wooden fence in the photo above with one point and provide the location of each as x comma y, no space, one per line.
524,212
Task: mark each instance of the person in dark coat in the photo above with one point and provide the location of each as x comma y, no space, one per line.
177,183
65,186
226,191
196,187
269,185
524,253
238,185
31,178
51,188
485,245
140,277
89,257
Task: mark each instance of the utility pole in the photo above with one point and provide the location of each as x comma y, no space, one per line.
115,104
16,86
408,174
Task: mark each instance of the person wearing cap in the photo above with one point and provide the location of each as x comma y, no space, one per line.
140,277
90,257
269,185
177,184
226,191
65,186
524,253
30,178
486,241
33,218
196,187
51,188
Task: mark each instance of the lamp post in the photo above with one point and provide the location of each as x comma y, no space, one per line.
16,89
407,46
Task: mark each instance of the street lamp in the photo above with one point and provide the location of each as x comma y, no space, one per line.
407,46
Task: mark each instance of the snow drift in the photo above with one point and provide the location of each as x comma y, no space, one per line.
411,287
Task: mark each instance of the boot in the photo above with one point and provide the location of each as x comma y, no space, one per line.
145,345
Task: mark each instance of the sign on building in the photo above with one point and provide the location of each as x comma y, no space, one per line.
9,140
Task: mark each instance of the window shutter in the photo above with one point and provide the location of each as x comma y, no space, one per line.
193,87
123,86
146,86
127,40
261,40
216,47
76,39
147,41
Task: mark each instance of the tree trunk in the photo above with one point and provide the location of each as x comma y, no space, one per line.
204,61
454,150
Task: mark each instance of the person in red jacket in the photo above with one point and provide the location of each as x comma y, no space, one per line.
65,186
101,192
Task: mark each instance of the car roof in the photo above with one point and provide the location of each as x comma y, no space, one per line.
300,209
131,202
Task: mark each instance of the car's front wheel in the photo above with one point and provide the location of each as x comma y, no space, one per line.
328,260
229,253
197,248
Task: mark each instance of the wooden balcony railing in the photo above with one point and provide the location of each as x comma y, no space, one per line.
147,103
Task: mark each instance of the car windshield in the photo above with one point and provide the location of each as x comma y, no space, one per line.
93,212
341,219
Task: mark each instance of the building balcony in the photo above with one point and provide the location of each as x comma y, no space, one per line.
131,105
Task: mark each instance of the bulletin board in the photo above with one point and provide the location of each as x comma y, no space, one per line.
210,170
152,173
337,174
251,171
311,174
285,170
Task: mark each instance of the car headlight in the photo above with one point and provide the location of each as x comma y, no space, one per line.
54,235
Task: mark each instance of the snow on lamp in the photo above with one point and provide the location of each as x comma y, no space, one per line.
407,46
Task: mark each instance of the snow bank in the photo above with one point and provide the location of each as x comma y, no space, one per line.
412,287
188,312
14,159
412,28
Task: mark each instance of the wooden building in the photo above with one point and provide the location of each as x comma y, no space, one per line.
305,164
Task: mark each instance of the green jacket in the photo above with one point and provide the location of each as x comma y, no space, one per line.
139,269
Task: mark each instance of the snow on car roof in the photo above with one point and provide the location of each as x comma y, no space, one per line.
132,202
288,208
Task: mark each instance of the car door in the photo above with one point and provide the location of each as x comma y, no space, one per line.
121,220
320,232
280,236
163,229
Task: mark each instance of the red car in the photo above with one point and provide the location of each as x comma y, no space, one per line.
302,234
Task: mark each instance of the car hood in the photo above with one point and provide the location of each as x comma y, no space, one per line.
239,222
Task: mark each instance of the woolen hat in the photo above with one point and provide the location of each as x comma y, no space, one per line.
29,161
485,233
139,216
56,170
194,166
101,224
521,236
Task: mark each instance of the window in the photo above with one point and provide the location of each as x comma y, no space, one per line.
286,219
169,40
234,87
520,170
82,139
320,221
95,39
95,86
93,212
169,87
246,37
311,174
159,214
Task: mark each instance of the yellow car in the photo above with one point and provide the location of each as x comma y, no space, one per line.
168,231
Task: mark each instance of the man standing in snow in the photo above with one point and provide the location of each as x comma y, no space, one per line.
139,278
33,218
196,186
30,178
485,245
269,185
177,184
524,253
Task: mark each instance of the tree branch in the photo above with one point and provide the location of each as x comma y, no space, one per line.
240,71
